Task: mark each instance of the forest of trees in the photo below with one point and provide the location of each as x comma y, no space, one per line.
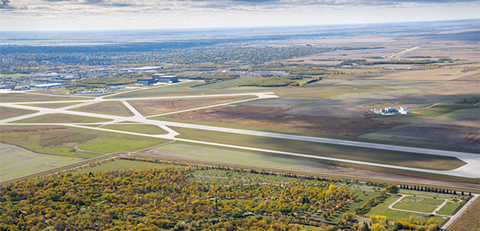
161,198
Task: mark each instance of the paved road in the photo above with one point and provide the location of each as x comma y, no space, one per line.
469,170
459,213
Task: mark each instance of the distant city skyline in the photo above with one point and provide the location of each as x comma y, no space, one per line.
28,15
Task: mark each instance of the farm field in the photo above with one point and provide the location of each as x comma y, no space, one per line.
277,118
52,105
419,204
108,108
470,220
344,152
138,128
7,112
124,165
62,141
17,162
25,97
429,75
153,107
61,118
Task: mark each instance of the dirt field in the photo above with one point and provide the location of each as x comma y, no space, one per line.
274,117
470,220
153,107
108,108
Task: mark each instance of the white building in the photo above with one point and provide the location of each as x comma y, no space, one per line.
392,111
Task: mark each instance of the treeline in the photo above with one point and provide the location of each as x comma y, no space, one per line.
372,202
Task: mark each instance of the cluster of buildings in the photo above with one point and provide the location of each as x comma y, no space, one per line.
158,78
392,111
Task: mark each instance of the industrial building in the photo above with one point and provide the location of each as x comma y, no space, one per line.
392,111
116,87
158,78
162,78
45,86
146,81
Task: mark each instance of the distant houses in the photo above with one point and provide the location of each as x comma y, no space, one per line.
392,111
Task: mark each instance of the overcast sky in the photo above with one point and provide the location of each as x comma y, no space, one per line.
159,14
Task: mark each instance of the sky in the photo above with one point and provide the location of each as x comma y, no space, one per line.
34,15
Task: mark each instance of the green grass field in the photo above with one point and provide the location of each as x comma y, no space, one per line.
52,105
62,141
108,108
382,209
62,118
419,204
25,97
125,165
449,208
439,110
329,150
16,162
231,156
7,112
138,128
119,144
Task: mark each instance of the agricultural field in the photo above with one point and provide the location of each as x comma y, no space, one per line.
268,117
470,220
138,128
62,118
109,108
328,150
7,112
63,141
154,107
16,162
25,97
